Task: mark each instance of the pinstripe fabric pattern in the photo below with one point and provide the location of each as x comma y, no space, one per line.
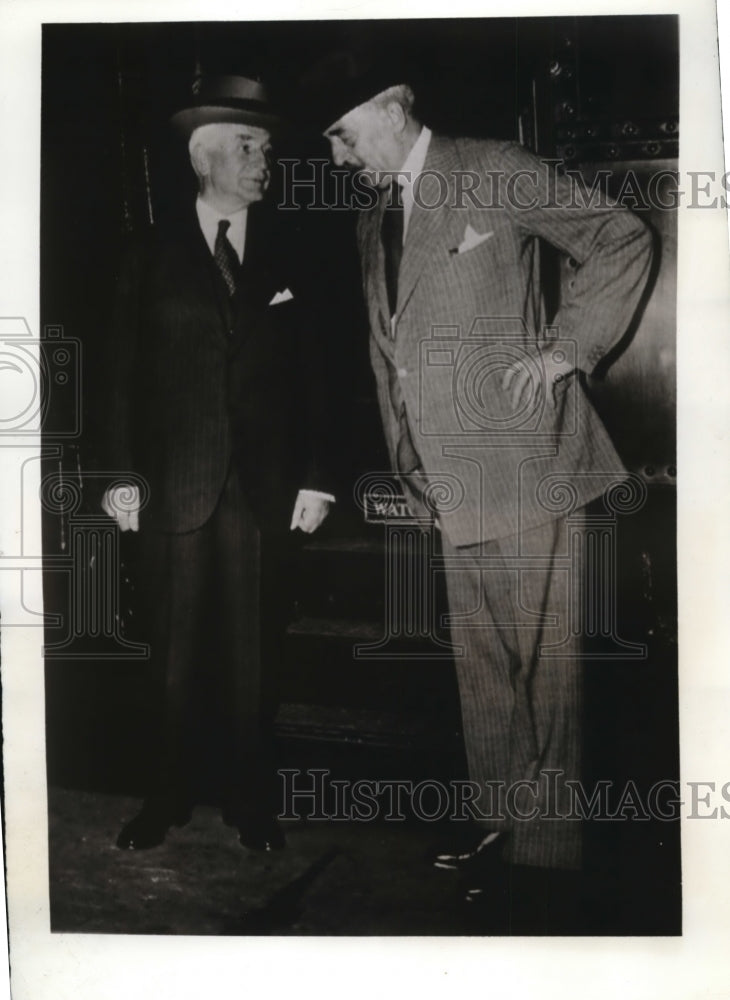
461,319
208,635
520,710
200,379
207,402
168,415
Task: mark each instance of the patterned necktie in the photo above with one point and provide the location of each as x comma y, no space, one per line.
226,257
392,236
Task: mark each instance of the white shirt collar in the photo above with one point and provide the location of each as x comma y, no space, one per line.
209,218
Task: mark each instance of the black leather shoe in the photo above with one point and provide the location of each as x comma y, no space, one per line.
149,827
486,850
261,834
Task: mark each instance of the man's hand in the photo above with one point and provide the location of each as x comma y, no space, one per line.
310,510
528,380
122,503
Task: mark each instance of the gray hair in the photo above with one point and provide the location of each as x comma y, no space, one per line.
207,136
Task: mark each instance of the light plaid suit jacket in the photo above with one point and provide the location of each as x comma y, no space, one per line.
470,304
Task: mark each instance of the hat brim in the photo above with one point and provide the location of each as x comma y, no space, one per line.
345,79
187,120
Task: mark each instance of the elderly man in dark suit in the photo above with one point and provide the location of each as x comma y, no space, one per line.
215,405
487,423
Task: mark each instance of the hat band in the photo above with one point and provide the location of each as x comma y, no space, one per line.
235,87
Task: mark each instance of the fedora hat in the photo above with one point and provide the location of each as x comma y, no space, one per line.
222,99
344,79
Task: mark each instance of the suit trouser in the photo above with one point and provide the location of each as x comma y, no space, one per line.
509,599
218,698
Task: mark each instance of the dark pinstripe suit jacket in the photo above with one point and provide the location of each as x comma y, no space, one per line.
199,382
462,317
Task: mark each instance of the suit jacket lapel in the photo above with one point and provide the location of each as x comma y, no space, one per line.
255,279
264,271
262,256
426,225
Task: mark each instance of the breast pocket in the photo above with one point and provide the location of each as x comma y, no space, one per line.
457,277
474,255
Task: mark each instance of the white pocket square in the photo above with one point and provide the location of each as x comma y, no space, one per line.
281,297
472,239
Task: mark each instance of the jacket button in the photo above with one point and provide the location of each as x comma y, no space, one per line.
402,373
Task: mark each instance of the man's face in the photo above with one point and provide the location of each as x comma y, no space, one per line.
238,159
364,139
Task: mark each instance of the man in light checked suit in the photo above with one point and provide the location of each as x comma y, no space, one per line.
477,395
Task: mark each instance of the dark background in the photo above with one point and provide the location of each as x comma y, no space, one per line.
595,92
